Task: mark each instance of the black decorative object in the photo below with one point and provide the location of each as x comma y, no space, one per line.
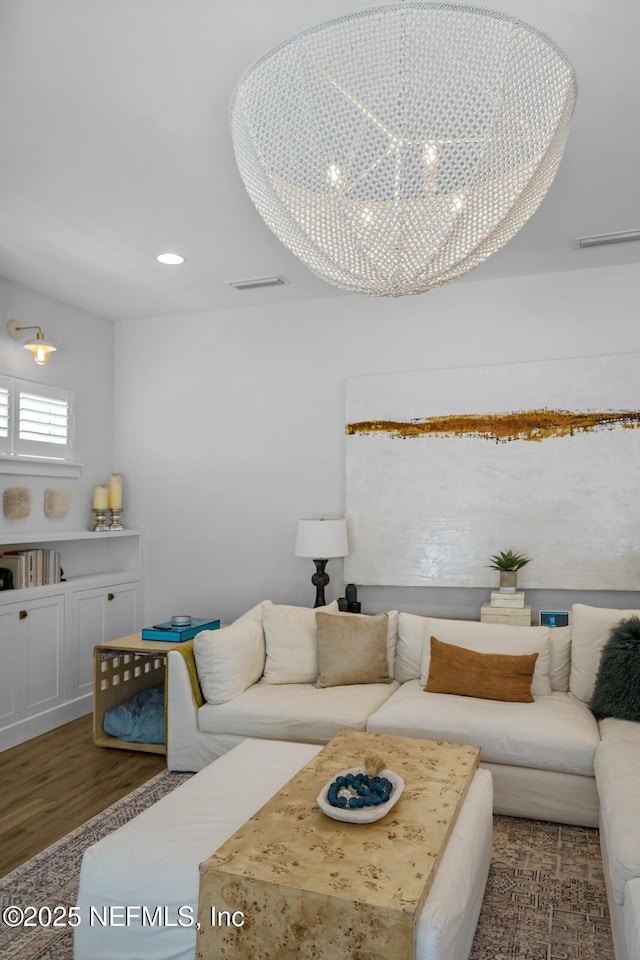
617,687
349,603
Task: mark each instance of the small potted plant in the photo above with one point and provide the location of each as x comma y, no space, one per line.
508,563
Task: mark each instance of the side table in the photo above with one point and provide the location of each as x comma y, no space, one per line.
121,669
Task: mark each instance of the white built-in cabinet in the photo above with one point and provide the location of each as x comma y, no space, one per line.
47,634
99,614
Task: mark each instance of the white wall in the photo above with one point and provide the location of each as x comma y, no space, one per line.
229,426
83,363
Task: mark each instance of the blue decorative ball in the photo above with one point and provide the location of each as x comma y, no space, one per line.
371,791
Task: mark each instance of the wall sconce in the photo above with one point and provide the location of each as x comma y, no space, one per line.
40,349
320,540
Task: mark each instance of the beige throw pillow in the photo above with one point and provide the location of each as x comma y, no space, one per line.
590,632
291,642
352,649
229,660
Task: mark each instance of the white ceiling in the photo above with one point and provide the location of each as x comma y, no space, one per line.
115,147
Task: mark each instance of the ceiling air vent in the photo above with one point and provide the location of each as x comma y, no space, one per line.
253,282
623,236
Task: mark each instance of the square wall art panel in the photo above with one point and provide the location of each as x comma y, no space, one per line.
447,467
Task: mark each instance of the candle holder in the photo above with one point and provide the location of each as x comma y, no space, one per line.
116,519
99,524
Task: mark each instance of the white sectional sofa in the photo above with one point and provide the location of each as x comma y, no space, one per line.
618,778
549,758
541,754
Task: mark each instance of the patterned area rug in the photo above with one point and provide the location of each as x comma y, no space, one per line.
545,897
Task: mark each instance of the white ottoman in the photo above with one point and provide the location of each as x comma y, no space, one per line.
152,861
632,919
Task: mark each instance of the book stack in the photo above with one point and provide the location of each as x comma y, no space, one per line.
32,568
507,608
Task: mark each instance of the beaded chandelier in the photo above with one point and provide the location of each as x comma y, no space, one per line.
394,149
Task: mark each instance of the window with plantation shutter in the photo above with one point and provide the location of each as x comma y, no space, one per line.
35,420
5,434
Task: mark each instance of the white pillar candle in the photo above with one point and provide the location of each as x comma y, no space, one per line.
100,497
115,492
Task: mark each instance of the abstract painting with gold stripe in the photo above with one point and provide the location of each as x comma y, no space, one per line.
446,467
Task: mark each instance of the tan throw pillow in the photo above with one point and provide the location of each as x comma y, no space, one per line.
487,676
352,649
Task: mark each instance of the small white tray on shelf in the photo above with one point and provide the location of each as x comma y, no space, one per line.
361,814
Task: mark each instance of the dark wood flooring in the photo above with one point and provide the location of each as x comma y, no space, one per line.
53,783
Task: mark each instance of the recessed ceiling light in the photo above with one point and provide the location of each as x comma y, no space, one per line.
170,258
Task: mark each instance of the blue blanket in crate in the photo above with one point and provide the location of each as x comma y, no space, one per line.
139,720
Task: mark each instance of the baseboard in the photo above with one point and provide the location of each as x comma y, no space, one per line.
30,727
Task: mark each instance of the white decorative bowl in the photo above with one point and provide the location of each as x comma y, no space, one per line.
361,814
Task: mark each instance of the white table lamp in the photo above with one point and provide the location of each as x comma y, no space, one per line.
320,540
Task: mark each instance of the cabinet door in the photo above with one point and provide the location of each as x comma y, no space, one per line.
9,665
123,613
40,637
98,615
88,613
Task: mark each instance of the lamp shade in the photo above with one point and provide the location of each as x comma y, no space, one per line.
40,349
395,148
321,539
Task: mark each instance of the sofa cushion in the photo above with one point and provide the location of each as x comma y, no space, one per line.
230,659
556,732
560,664
490,676
624,730
392,639
297,711
616,692
291,642
352,649
591,627
493,638
255,613
411,637
617,769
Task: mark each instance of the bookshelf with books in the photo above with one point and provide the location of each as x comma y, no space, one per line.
32,568
83,555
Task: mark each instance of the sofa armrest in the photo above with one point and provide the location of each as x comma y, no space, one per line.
184,697
185,650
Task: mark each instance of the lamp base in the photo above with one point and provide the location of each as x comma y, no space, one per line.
320,579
